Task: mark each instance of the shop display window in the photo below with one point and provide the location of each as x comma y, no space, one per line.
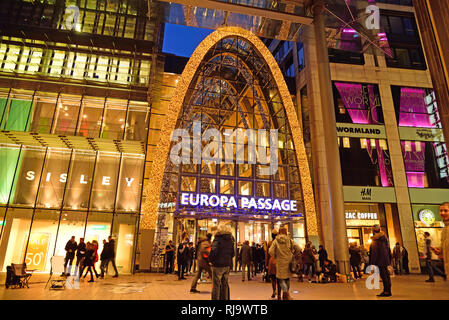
124,229
42,240
91,118
14,236
66,115
9,156
114,121
426,164
416,107
79,180
43,111
51,189
105,181
137,121
130,183
28,176
365,162
72,223
357,103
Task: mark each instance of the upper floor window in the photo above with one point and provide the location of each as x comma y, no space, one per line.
357,103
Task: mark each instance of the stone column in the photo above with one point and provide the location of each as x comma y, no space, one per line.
336,197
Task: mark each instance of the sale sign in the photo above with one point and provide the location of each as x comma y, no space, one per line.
36,255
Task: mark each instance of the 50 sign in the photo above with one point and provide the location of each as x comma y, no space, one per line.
37,251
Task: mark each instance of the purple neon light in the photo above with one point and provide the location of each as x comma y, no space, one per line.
413,109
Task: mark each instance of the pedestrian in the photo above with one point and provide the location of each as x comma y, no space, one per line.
182,258
405,260
432,259
70,249
397,258
380,256
104,257
112,255
270,263
322,255
80,254
282,250
220,257
88,261
246,258
329,272
202,258
238,261
355,259
365,257
310,260
190,256
169,257
254,259
444,248
95,257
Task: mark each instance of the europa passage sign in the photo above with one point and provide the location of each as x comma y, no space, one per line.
243,204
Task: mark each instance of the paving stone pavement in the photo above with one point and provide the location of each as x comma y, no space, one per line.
154,286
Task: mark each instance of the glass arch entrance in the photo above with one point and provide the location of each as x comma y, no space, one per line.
231,85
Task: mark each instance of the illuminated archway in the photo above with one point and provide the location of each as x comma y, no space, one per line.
153,189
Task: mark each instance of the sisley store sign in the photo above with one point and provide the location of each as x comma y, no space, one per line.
83,179
224,201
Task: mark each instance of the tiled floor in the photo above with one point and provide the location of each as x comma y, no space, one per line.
166,287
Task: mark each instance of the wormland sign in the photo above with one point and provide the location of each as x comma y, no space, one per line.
360,130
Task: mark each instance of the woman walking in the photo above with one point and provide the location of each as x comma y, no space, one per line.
88,261
282,250
310,260
355,259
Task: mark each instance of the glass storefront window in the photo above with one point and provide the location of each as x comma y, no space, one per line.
226,186
365,162
124,233
130,183
137,121
14,236
245,188
114,120
66,115
188,183
105,181
91,118
79,180
426,164
43,111
16,112
42,240
28,176
416,107
357,103
51,189
72,223
9,156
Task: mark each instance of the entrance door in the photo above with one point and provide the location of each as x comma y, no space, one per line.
256,232
354,236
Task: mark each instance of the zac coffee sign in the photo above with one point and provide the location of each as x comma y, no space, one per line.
360,131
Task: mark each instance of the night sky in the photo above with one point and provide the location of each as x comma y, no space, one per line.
182,40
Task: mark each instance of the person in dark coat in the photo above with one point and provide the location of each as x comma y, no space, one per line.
322,256
405,260
169,257
254,259
309,258
380,256
104,258
220,257
355,259
70,249
182,257
246,256
329,271
89,261
112,254
202,257
80,254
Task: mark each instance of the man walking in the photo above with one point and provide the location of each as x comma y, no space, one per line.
380,256
80,254
220,256
204,247
246,258
397,258
70,249
183,252
431,258
112,255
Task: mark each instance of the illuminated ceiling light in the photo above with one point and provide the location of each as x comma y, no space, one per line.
84,116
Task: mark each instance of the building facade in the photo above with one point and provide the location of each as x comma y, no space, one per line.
74,109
